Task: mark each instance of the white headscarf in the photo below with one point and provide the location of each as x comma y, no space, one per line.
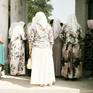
40,19
21,23
12,26
74,25
72,22
16,30
57,29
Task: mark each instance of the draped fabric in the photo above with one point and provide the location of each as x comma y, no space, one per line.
57,29
71,51
72,22
57,47
16,50
41,38
74,25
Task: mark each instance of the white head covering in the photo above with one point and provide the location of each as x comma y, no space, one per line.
72,22
16,30
57,29
21,23
74,25
12,26
40,19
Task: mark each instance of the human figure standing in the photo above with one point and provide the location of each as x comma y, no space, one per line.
17,51
41,39
57,26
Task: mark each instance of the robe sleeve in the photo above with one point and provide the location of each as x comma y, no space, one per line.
30,34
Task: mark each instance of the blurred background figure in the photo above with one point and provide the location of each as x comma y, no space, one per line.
57,47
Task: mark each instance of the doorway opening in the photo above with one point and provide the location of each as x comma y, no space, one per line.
88,47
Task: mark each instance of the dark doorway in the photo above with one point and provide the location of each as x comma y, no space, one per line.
90,9
88,47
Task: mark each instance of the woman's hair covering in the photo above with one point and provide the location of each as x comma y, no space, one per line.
40,19
21,23
74,25
12,26
57,28
16,29
72,22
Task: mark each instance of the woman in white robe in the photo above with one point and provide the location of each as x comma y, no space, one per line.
41,38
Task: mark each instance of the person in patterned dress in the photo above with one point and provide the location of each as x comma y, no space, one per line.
17,52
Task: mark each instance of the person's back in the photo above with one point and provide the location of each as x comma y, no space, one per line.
42,40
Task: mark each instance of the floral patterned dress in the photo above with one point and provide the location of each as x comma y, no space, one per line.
17,52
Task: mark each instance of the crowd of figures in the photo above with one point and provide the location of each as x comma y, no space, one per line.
54,49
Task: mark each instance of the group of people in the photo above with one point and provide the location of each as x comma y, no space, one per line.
41,40
45,48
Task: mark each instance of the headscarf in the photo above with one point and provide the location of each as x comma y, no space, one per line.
74,25
12,26
16,29
57,29
21,23
40,20
72,22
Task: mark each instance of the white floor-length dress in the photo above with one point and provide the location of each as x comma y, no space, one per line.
41,37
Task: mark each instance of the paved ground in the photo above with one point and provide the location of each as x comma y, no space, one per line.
20,84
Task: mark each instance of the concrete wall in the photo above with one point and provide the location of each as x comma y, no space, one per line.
82,13
18,10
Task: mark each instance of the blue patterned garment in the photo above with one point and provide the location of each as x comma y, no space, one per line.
1,54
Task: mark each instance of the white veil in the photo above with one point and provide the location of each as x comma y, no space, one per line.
57,29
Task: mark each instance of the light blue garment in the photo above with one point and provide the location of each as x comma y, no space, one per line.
1,53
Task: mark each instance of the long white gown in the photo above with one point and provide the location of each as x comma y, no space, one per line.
42,58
